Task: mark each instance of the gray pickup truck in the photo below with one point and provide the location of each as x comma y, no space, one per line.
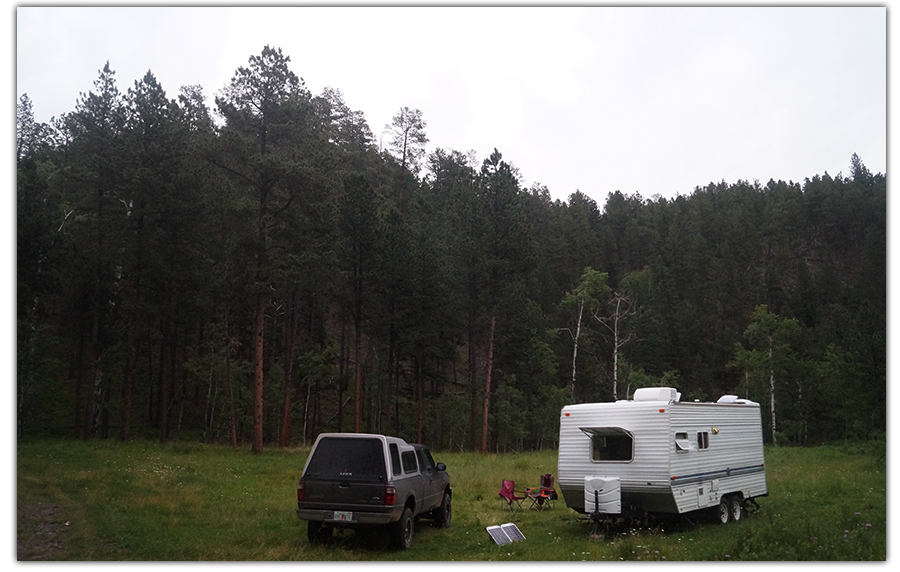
357,480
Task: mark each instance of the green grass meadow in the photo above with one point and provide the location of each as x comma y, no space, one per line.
143,501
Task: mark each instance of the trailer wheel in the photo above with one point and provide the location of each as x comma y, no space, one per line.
737,508
722,512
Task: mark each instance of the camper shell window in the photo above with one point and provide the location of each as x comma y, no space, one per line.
409,462
395,459
342,458
610,444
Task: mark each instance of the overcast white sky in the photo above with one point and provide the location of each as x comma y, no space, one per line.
654,100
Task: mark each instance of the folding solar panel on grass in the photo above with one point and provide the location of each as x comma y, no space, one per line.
505,533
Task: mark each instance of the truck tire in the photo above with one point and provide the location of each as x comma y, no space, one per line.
443,514
318,532
401,532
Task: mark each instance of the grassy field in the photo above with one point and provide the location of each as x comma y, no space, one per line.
144,501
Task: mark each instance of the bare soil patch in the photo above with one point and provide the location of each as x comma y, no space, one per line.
40,532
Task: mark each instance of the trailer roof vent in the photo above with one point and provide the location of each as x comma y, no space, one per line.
735,399
667,394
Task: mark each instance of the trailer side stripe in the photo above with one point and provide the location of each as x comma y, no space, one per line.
729,472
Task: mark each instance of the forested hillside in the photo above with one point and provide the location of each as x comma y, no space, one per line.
258,271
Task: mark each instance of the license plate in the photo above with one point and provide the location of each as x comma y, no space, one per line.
343,515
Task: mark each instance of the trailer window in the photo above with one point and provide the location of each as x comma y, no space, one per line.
703,440
682,443
610,444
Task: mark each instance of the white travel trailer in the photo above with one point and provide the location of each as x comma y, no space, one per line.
655,454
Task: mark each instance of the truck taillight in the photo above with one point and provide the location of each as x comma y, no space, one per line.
301,492
390,495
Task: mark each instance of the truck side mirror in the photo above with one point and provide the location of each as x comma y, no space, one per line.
441,467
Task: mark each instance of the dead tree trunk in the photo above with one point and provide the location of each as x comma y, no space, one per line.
772,393
575,350
613,324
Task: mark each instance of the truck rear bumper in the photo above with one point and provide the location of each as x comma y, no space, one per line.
328,516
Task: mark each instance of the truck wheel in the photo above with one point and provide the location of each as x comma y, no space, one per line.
722,512
401,532
736,508
443,514
318,532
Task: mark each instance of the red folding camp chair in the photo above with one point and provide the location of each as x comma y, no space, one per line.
510,497
544,496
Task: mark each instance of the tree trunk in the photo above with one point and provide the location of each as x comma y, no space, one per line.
258,368
357,345
212,391
616,364
420,397
285,440
104,410
306,408
575,350
357,387
97,294
616,346
487,383
772,393
473,392
75,373
128,390
387,398
90,421
232,425
342,372
93,413
164,372
135,318
612,324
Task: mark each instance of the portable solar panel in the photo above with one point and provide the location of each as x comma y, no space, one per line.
505,533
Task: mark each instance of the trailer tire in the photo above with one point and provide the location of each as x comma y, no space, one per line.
722,512
737,508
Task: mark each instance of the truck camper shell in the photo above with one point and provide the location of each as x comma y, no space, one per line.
657,454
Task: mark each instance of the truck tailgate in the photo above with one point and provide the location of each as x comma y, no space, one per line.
331,494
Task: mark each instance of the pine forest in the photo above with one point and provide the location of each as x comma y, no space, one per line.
261,269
